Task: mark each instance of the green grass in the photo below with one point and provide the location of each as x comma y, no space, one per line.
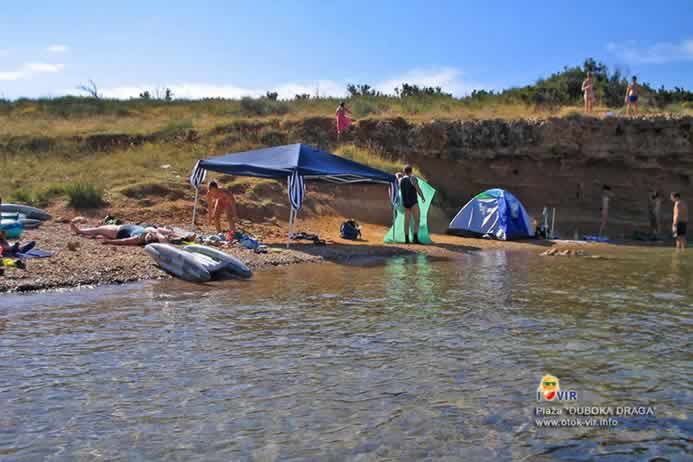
84,196
370,158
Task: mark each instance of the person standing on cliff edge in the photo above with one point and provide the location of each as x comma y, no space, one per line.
343,121
606,197
588,91
632,97
680,223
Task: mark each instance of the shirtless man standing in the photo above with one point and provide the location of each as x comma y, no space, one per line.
632,97
680,223
588,92
220,201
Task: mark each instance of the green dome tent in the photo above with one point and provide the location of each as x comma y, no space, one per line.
396,233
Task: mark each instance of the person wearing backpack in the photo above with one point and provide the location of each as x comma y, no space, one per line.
410,191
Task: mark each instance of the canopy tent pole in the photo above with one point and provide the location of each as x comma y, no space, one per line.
292,218
197,191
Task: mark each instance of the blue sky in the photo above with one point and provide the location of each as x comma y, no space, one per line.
232,48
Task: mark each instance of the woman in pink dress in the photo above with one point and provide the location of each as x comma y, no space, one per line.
343,120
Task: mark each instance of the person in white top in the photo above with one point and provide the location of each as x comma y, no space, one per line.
606,197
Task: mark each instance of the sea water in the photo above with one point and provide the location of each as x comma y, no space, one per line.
410,359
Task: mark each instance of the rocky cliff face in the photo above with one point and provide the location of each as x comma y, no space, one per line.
562,162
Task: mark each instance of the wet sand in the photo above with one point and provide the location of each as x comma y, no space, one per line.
93,263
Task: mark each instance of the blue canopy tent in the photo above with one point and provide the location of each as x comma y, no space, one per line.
296,163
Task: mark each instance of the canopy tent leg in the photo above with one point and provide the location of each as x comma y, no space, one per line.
197,191
292,220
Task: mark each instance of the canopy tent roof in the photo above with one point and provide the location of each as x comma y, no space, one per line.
301,159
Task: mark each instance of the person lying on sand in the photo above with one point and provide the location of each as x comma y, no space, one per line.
126,234
10,250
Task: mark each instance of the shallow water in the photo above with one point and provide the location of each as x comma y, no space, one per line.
410,360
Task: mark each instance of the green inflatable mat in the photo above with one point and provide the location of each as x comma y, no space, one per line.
396,233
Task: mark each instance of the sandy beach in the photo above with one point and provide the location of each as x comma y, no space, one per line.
92,263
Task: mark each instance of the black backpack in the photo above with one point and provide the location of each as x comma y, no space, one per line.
350,230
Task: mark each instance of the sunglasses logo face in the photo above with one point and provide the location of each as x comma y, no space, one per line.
549,389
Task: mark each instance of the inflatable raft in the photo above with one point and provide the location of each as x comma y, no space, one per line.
28,212
196,263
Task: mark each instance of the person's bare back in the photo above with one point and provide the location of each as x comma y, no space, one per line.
682,209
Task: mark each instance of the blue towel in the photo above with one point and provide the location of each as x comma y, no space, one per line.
595,238
34,253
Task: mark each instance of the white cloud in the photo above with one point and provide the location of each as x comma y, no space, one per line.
183,90
321,87
199,90
29,70
42,68
11,75
58,48
449,79
4,52
662,52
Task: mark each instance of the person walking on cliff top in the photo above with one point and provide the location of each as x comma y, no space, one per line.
680,223
588,92
221,201
654,212
410,191
343,120
632,97
606,197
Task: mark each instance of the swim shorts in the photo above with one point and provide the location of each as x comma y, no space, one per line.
633,98
126,231
681,228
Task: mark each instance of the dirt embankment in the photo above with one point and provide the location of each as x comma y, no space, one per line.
559,162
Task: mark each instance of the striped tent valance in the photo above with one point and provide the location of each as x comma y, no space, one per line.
297,190
198,176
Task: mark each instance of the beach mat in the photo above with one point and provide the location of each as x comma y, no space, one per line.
396,233
34,253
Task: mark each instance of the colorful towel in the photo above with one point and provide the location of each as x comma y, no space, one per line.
396,232
34,253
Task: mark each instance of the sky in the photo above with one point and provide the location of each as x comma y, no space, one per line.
238,48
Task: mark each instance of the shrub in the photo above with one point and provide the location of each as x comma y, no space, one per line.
84,196
262,107
44,197
20,196
174,129
362,107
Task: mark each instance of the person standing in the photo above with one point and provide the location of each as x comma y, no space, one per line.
654,211
606,198
343,120
632,97
588,92
680,223
220,201
410,191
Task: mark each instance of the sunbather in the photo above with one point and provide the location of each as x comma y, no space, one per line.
126,234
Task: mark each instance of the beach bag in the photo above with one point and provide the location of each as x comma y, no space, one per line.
350,230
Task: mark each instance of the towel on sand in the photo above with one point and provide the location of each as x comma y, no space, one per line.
34,253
